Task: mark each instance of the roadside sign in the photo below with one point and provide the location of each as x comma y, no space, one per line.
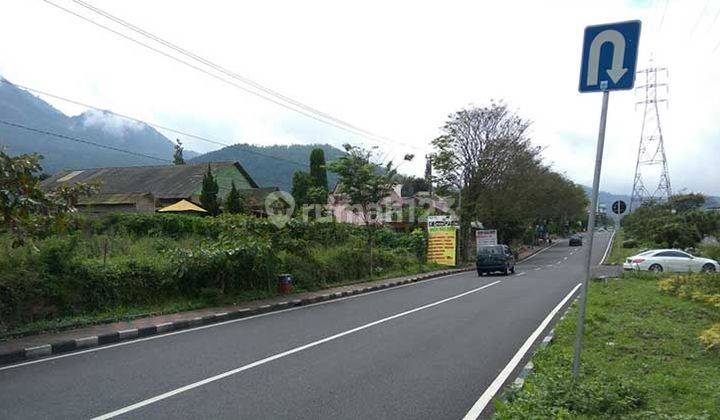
486,237
442,239
609,56
619,207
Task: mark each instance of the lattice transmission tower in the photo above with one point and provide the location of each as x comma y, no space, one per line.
651,167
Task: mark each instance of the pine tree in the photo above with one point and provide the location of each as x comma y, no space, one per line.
178,155
301,183
318,172
209,193
234,202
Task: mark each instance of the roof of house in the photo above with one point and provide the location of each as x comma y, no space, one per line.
113,199
167,181
182,206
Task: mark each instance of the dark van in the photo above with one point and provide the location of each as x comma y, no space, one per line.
493,258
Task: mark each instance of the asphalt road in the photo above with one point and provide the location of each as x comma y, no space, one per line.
424,350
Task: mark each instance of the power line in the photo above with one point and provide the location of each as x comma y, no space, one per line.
265,93
158,126
75,139
699,19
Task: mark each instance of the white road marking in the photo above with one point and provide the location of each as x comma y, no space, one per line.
559,262
495,386
565,258
607,250
520,274
217,324
260,362
549,265
538,269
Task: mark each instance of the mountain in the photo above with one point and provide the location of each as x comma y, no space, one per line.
607,198
272,166
103,127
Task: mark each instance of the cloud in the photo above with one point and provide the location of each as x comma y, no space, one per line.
109,122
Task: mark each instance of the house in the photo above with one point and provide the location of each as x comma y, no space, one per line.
395,211
149,188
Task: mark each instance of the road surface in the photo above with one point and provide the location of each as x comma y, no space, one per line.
430,349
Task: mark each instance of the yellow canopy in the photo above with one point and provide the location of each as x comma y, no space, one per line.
181,206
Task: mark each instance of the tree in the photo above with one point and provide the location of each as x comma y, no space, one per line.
178,154
318,170
412,185
301,183
209,193
234,202
683,203
27,211
364,183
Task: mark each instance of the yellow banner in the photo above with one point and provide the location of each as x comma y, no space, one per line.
441,245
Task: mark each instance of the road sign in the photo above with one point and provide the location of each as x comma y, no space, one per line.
608,63
619,207
486,237
609,56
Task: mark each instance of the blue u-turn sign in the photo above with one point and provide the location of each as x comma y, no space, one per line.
609,56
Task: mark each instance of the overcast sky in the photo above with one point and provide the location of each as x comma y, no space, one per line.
392,68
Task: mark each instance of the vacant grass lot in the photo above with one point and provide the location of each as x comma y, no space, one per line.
642,359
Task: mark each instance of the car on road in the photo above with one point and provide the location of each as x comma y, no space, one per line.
495,258
672,260
575,240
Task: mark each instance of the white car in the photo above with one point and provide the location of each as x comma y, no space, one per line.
659,260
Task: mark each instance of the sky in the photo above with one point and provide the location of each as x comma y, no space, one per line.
396,69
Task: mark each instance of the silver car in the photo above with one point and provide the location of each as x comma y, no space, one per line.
673,260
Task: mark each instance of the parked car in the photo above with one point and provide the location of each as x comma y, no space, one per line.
659,260
495,258
576,240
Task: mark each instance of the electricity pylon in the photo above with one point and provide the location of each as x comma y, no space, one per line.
651,151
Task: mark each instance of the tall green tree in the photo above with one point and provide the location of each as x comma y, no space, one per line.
209,193
178,154
318,170
234,202
301,183
364,183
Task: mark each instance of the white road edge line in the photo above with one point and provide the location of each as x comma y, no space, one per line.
495,386
217,324
206,381
607,250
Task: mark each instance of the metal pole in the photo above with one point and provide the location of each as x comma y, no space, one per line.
591,229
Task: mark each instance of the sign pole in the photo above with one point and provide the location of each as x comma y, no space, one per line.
591,229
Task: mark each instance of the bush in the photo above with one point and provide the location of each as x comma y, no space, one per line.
710,338
630,243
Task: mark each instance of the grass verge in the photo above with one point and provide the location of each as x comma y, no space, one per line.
641,359
618,254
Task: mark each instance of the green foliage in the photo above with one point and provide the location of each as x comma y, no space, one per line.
318,171
662,225
234,203
485,153
364,183
128,260
178,153
630,243
683,203
27,211
641,359
209,193
301,183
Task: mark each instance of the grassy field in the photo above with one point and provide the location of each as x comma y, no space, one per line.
642,359
618,254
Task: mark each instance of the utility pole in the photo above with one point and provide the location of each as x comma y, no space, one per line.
651,150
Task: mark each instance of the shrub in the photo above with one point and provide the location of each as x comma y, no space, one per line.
710,338
630,243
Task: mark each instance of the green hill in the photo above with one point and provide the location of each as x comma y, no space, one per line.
272,166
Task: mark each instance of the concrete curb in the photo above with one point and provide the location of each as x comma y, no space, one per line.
65,346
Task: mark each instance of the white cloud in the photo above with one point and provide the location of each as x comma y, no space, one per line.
394,68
